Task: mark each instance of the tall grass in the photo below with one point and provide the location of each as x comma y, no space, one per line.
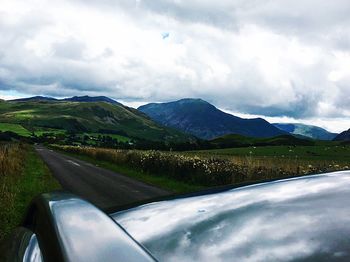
23,175
11,159
201,170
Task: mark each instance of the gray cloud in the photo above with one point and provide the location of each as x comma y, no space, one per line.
71,49
255,57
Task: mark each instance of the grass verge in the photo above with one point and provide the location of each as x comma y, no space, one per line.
159,181
18,190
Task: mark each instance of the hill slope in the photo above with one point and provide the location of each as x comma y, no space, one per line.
343,136
97,117
198,117
310,131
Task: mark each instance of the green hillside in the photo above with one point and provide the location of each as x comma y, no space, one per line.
15,128
83,117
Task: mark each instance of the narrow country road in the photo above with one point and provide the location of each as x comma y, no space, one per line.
101,187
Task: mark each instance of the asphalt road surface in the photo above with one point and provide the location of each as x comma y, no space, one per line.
101,187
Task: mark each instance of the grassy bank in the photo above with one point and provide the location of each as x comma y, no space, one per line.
23,176
209,168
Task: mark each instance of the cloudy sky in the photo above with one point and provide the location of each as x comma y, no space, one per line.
286,60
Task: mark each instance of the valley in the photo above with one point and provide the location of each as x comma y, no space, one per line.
94,144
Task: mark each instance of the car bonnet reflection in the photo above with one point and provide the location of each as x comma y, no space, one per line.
304,219
87,234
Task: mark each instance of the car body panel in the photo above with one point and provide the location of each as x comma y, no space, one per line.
63,227
299,219
33,252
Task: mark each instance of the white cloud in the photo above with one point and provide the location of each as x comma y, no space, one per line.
268,58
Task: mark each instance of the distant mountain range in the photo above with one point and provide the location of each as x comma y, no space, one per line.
202,119
343,136
70,99
309,131
155,121
35,99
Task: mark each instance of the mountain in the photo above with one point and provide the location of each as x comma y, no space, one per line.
343,136
310,131
92,117
199,118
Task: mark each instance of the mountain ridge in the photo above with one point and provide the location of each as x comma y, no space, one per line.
85,98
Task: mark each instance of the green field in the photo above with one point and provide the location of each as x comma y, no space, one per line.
39,131
335,153
114,136
15,128
47,131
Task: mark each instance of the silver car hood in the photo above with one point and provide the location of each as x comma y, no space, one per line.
304,219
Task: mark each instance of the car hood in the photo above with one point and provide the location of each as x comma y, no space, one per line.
304,219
